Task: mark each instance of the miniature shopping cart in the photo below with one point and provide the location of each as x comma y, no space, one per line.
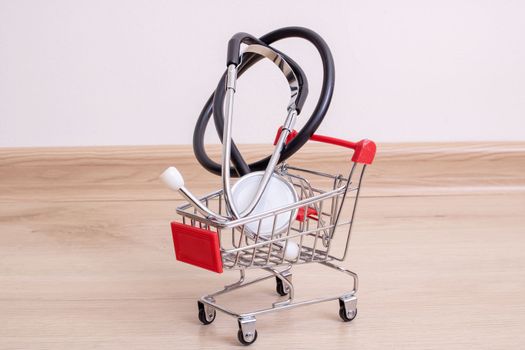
273,219
325,208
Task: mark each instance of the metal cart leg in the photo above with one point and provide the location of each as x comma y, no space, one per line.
347,302
247,333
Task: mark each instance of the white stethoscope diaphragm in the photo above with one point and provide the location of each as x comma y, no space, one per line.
277,194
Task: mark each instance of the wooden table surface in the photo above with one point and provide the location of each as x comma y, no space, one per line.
87,262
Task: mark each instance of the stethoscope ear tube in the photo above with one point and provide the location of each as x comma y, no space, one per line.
216,102
231,83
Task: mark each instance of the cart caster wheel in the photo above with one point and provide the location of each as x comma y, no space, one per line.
246,339
206,313
247,333
347,309
280,288
347,316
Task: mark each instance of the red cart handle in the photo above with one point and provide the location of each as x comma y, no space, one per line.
364,150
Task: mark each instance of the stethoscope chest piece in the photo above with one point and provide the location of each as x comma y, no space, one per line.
279,193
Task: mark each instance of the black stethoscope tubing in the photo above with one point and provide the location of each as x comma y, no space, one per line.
214,105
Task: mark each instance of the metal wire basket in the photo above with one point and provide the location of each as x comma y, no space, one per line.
324,210
313,222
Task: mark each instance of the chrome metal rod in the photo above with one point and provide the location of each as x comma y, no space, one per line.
210,300
204,210
227,139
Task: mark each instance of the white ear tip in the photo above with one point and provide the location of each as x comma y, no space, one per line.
172,178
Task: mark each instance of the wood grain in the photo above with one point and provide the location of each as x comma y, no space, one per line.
86,259
131,173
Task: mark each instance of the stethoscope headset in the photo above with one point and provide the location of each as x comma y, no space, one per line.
257,178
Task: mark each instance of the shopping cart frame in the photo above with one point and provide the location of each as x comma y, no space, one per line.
248,251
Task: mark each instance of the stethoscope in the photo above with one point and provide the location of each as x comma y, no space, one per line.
259,187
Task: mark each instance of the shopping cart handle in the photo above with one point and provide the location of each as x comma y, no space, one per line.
364,150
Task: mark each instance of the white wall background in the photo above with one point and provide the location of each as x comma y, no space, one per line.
113,72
